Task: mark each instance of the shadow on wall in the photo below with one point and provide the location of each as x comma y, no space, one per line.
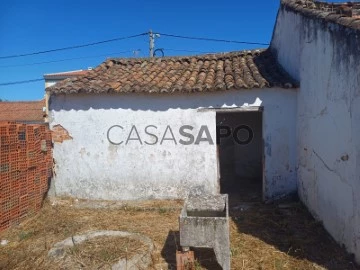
290,228
159,102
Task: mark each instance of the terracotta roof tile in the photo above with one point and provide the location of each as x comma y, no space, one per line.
346,14
210,72
23,111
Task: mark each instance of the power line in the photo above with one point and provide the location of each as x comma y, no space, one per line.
112,40
213,39
21,82
71,47
95,56
129,37
76,58
67,59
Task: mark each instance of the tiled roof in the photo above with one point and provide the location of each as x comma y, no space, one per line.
22,111
347,14
210,72
66,74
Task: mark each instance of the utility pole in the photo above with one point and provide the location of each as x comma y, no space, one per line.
152,43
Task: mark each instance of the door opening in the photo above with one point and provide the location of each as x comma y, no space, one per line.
240,153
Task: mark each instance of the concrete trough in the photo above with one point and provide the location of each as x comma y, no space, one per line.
204,223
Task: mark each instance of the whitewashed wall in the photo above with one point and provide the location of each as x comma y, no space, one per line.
325,58
89,166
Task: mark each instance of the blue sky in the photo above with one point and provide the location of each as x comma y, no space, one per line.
30,26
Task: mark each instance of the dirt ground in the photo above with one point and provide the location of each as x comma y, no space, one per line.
276,236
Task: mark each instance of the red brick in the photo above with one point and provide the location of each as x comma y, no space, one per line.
185,260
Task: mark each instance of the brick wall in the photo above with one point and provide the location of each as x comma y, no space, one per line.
25,170
60,134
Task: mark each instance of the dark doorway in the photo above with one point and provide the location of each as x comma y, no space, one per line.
240,153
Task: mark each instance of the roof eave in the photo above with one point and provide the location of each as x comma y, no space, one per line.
332,17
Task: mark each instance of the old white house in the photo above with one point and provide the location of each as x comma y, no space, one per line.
259,123
147,128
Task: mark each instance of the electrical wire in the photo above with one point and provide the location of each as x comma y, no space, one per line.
129,37
72,47
76,58
112,40
20,82
68,59
99,55
212,39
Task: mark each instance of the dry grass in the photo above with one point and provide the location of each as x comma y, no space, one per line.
263,237
269,237
30,242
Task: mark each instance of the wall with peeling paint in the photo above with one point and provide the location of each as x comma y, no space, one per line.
89,166
325,58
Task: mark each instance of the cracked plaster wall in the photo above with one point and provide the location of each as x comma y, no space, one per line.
89,166
325,58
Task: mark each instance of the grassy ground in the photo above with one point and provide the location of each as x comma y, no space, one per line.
262,236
